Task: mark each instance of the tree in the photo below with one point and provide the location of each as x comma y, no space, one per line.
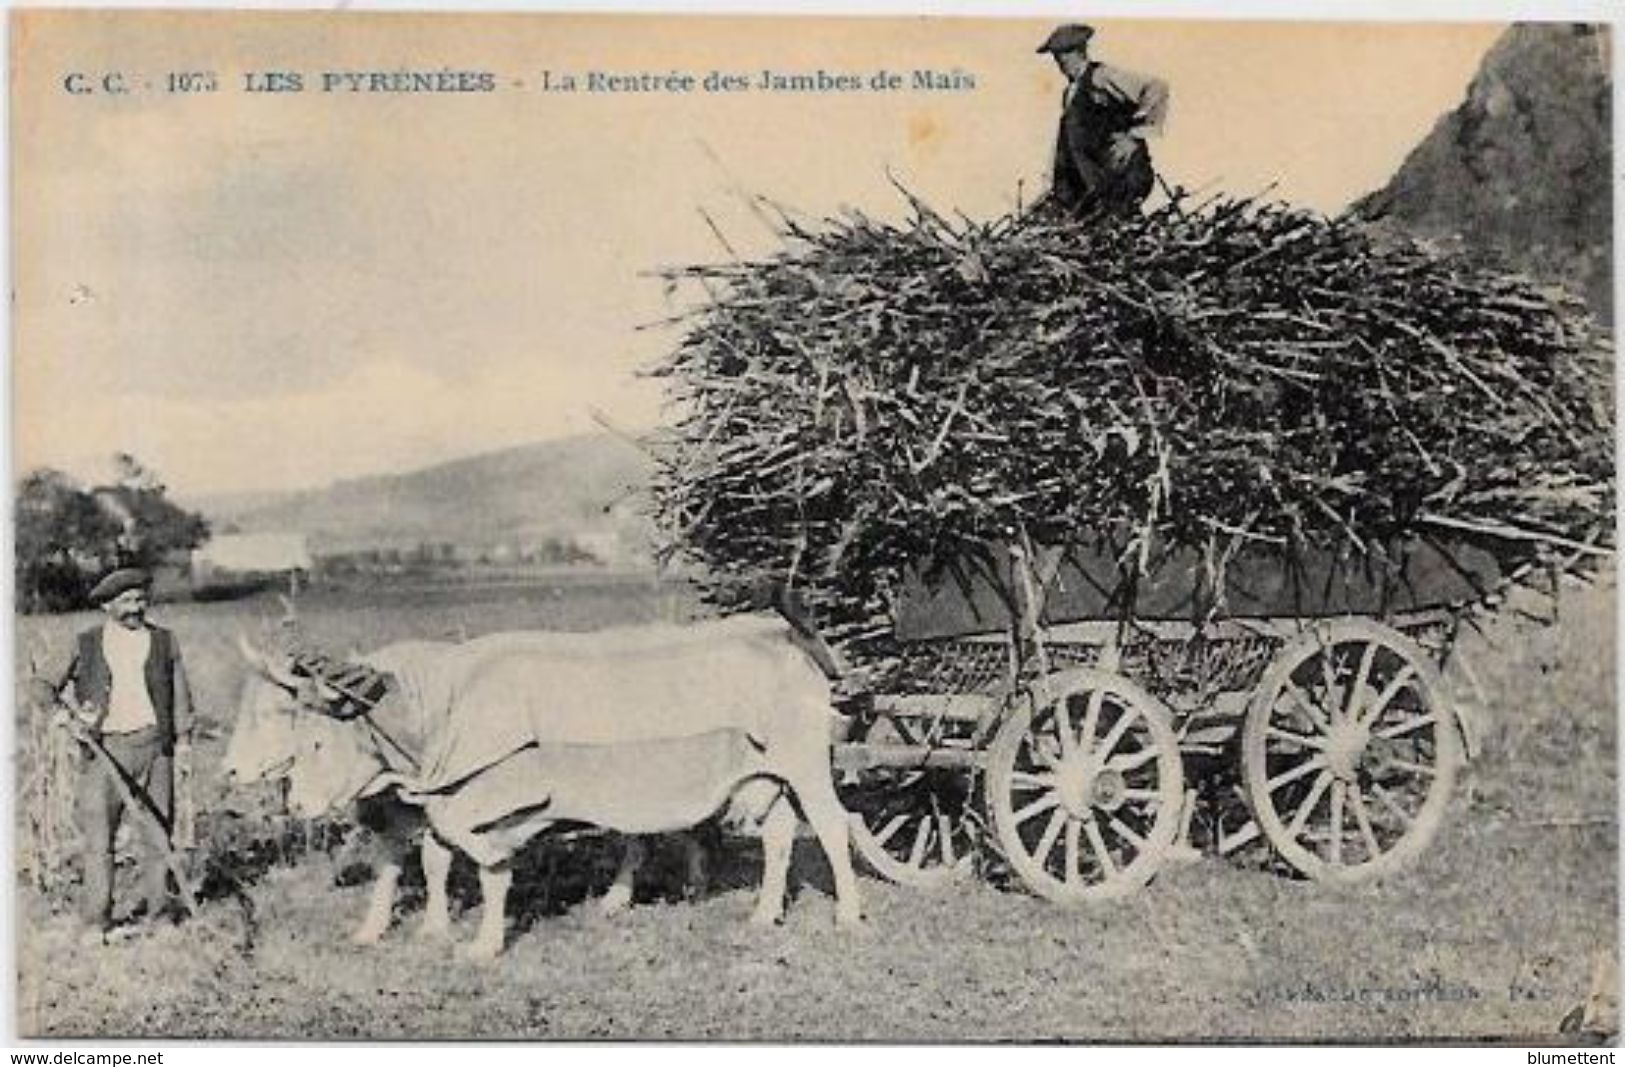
154,526
68,536
63,538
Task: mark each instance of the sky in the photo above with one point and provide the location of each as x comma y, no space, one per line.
270,291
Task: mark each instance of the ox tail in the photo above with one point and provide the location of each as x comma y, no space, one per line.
804,633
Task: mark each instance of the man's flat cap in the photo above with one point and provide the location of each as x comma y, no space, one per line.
120,581
1068,38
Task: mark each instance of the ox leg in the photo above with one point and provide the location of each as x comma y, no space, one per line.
394,826
494,884
436,873
829,821
382,905
393,837
778,839
696,861
619,896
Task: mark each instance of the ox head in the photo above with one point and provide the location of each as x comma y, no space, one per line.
283,732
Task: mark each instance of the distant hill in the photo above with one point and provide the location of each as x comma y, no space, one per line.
1521,171
579,487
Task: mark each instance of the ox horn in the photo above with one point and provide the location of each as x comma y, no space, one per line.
265,665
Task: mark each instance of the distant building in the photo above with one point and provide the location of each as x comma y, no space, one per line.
231,558
604,546
616,548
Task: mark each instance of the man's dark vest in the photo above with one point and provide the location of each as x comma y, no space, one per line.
1098,115
93,679
1084,178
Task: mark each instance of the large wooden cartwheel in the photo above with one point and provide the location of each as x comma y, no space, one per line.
1085,786
1349,751
915,825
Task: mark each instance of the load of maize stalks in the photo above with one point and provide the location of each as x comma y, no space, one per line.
880,398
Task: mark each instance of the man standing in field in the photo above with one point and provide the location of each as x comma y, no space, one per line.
129,692
1102,164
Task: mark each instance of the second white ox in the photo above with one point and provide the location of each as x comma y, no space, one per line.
638,730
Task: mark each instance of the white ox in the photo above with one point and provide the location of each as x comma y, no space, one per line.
271,730
638,730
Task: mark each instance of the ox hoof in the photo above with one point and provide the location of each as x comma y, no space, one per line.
434,930
765,919
369,934
615,901
480,951
850,921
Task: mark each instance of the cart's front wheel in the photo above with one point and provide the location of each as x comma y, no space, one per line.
1085,787
915,826
1350,752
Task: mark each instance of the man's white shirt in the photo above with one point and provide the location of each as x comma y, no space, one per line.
129,706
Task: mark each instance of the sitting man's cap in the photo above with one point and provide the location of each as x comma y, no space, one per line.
120,581
1068,38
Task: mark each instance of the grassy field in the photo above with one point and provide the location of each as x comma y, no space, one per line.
1504,929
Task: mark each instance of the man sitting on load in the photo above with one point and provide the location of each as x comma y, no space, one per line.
1102,164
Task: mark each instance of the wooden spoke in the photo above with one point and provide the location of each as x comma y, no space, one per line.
1042,804
1119,827
1311,802
1091,719
1046,843
1400,729
1337,822
1041,756
1097,845
1129,761
1072,849
1387,800
1025,780
1062,718
1307,767
1399,681
922,837
1317,717
945,831
1407,765
1362,819
890,829
1150,796
1301,740
1328,681
1119,728
1351,707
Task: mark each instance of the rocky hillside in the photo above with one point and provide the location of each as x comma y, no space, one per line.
1521,170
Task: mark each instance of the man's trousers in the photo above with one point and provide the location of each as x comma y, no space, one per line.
100,805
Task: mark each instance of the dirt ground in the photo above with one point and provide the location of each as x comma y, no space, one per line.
1506,928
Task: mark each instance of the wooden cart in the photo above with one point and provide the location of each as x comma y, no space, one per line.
1084,743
